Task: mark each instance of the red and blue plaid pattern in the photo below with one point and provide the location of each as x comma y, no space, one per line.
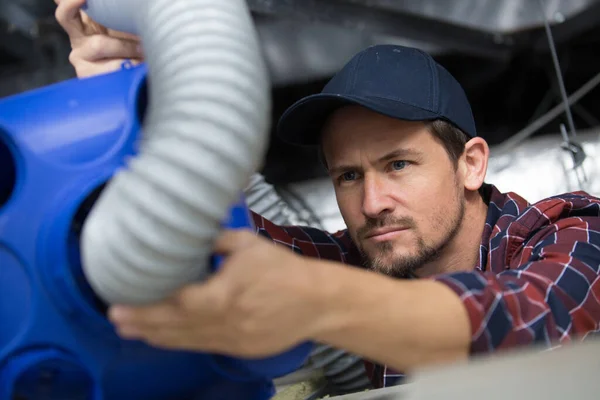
537,279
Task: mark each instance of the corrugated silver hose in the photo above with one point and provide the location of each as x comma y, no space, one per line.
263,199
205,133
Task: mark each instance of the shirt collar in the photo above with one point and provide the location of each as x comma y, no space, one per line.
500,205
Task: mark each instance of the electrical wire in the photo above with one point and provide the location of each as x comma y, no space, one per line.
561,83
509,144
565,106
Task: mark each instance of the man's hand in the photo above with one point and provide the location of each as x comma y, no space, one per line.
95,49
263,300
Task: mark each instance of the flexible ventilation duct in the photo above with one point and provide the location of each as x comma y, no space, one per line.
263,199
205,132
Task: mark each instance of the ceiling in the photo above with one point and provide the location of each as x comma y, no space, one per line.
497,49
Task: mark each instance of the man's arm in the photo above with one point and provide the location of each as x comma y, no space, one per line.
273,299
552,298
402,324
399,323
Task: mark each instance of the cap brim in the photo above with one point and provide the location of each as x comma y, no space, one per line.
303,122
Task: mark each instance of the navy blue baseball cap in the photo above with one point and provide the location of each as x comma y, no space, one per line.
396,81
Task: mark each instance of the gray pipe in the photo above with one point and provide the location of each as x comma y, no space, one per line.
205,132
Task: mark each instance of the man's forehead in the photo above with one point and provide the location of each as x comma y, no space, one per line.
350,130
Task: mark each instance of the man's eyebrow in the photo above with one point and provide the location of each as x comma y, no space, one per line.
341,169
397,154
400,154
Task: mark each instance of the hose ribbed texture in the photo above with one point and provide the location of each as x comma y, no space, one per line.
345,372
206,131
263,199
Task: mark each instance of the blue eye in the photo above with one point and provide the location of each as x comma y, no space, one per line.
398,165
348,176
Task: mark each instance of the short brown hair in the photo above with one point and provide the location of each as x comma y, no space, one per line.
452,137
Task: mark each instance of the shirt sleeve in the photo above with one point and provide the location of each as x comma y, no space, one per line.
550,297
309,242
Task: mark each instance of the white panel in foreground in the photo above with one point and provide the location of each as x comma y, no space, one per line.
567,373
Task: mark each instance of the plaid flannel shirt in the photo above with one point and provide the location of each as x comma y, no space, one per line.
537,279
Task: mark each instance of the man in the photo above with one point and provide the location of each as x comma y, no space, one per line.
398,138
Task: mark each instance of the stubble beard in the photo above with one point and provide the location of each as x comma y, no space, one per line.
406,266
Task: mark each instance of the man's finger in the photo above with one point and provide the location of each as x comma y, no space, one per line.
123,35
144,317
189,340
68,16
204,300
231,240
100,47
87,69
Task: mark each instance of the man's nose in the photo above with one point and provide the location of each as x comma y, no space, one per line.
376,197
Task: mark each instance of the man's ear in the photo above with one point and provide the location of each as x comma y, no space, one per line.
474,163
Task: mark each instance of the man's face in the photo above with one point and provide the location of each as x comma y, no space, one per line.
399,193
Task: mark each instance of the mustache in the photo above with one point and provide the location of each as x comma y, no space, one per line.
387,221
